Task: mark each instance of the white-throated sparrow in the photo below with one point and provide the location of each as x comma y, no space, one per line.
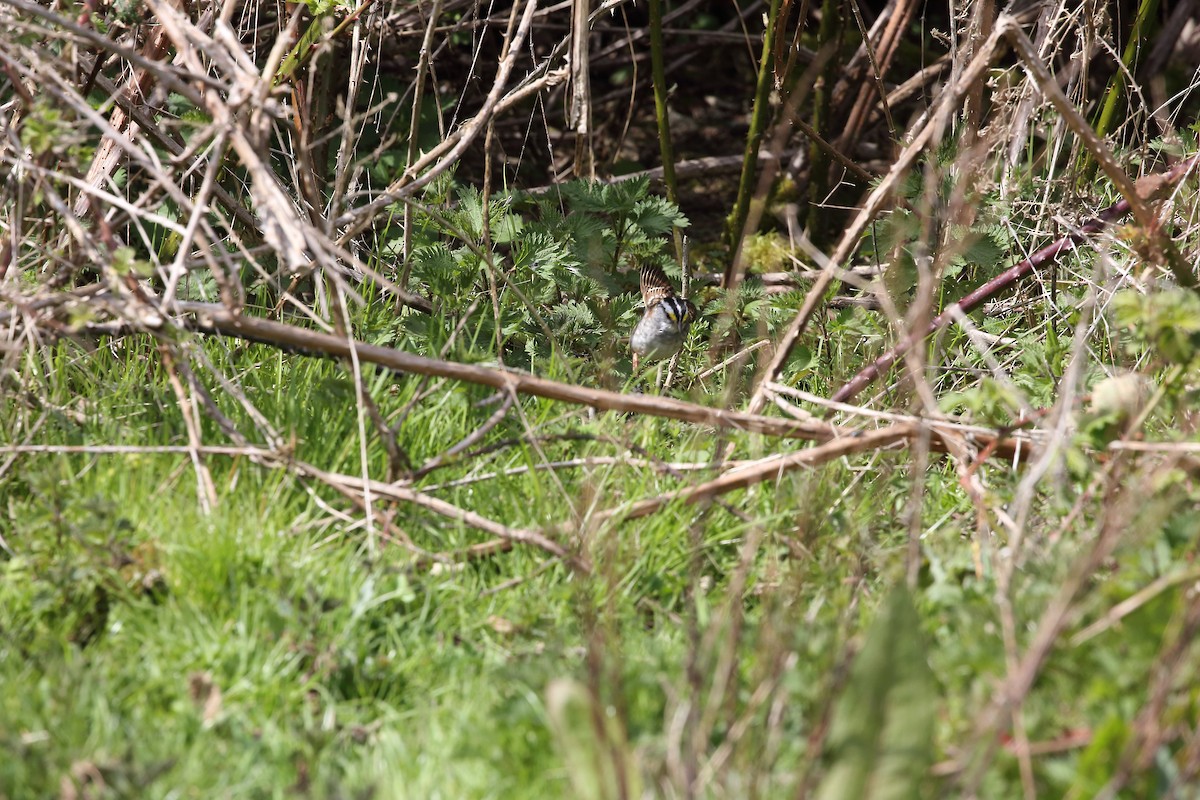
665,320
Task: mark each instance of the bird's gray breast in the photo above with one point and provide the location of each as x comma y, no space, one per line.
656,336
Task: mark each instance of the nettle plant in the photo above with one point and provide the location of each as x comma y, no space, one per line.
536,276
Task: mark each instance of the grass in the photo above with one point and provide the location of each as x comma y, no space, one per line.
280,647
323,658
339,672
276,648
923,624
335,668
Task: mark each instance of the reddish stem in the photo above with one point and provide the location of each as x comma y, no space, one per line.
998,284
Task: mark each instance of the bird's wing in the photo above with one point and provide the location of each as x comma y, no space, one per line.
655,285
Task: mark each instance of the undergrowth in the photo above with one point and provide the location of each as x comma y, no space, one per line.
277,646
233,565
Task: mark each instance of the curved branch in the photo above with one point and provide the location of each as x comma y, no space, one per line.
210,318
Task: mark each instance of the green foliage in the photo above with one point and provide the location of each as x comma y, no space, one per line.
277,647
983,250
280,639
78,561
129,12
990,402
766,252
42,129
881,735
1166,322
124,263
590,741
973,254
563,265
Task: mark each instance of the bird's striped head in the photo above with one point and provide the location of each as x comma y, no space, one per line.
681,312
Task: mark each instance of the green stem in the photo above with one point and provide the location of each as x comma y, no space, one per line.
661,113
660,100
818,156
1147,10
758,126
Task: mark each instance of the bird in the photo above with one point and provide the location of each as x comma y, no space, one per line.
665,321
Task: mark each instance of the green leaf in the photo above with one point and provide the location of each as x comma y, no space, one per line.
1167,321
623,197
43,129
469,214
124,262
881,737
443,270
657,216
